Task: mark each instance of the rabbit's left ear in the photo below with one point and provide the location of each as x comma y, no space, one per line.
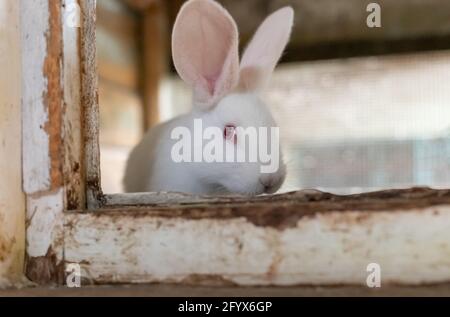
265,50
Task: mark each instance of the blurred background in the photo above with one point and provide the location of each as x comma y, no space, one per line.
359,108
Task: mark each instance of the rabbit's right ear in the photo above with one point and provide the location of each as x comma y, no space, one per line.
265,49
205,50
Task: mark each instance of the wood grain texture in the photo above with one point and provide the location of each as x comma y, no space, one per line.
35,116
72,117
43,142
345,20
294,239
12,199
89,87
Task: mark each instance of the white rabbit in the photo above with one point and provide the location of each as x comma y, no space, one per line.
226,94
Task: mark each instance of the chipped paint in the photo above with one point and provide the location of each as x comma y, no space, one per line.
44,221
274,211
45,240
45,269
36,161
42,95
327,248
42,143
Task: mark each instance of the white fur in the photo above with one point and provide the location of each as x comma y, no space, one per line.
205,52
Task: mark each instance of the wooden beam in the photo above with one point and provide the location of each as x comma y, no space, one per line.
308,238
41,106
155,39
43,137
89,89
142,4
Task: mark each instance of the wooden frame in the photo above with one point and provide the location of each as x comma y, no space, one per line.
298,238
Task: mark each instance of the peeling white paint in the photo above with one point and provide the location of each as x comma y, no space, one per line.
45,220
412,247
36,158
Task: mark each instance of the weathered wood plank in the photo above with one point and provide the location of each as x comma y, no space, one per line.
72,126
12,199
325,249
316,238
45,239
332,29
35,116
52,133
89,86
330,21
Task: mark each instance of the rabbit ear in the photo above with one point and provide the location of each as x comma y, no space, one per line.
265,49
205,50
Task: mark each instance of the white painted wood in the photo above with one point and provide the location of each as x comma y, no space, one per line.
36,158
45,221
412,247
42,134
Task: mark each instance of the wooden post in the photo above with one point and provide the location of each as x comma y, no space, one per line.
154,38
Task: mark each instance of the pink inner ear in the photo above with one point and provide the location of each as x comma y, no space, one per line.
265,49
212,82
205,50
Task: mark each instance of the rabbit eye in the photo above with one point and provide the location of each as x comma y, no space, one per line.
229,133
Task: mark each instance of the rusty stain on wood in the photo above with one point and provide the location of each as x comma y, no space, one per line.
207,280
142,245
45,270
285,210
53,95
6,246
89,89
73,193
73,125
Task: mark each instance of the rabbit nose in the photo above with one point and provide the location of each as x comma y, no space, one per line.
271,183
